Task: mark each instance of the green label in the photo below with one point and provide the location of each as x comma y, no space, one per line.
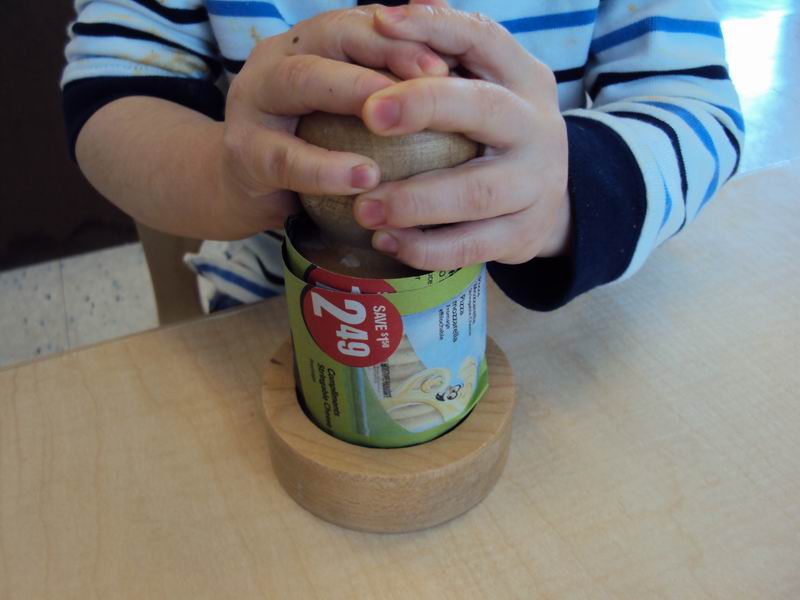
389,368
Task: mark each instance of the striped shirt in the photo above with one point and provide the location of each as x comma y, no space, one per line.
653,120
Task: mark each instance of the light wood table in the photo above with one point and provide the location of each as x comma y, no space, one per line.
656,449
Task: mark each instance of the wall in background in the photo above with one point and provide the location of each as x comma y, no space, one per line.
48,210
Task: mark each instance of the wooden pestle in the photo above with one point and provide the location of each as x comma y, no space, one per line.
342,244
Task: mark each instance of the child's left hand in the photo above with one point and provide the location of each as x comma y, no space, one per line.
509,205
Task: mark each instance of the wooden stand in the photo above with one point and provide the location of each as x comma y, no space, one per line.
388,490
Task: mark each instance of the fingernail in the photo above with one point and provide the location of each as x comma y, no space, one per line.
371,213
430,64
386,112
363,177
385,242
393,14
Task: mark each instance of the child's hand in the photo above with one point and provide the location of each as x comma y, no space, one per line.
305,69
510,205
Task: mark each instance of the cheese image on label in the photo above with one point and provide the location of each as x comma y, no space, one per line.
429,399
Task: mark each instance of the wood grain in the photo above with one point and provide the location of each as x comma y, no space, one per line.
655,449
388,490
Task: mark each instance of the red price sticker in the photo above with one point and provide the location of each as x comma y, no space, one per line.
355,330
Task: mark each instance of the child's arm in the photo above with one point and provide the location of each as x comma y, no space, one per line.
144,113
663,134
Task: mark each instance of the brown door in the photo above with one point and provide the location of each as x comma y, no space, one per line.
48,209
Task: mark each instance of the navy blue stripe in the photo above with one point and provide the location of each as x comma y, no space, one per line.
232,66
736,147
271,277
225,8
238,280
669,132
653,24
715,72
181,16
114,30
83,97
222,301
676,147
557,21
735,116
705,138
274,235
566,75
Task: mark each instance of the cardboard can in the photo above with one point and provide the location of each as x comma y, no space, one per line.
386,362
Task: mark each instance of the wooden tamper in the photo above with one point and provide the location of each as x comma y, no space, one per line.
388,490
344,245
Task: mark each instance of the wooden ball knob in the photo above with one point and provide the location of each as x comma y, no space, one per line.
398,157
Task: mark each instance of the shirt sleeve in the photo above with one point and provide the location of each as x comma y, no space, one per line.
118,48
663,133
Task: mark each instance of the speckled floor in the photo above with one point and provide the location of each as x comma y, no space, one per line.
73,302
81,300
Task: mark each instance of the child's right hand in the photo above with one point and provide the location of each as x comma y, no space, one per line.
308,68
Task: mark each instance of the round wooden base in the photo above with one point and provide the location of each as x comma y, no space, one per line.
388,490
